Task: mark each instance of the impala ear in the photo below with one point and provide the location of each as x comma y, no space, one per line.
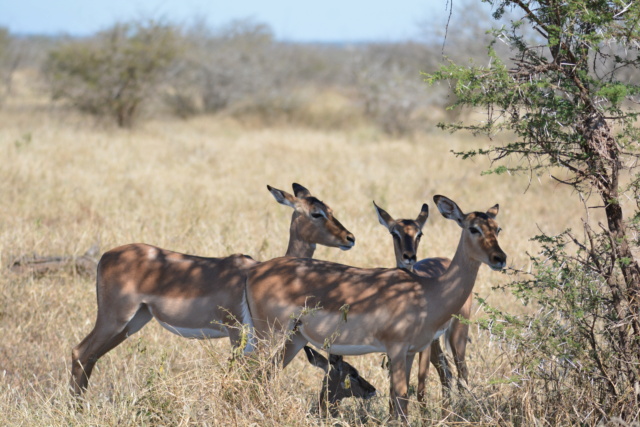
422,217
449,209
316,359
493,211
300,191
384,218
283,197
337,362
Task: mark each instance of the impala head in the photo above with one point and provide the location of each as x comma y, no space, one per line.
343,379
479,231
313,220
406,235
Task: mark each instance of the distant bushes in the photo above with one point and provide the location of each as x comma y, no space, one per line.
221,69
240,70
390,88
9,60
114,73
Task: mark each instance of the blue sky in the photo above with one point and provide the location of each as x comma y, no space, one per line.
326,20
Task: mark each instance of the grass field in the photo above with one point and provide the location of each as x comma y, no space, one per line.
199,186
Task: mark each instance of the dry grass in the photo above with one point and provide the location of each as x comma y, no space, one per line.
199,186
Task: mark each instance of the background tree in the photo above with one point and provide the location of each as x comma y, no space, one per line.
567,95
116,71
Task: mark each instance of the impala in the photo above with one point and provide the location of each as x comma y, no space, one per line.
341,380
406,235
191,296
352,311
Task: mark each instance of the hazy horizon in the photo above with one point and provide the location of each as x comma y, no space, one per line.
328,23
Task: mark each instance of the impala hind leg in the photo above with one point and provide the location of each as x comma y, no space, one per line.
295,343
105,336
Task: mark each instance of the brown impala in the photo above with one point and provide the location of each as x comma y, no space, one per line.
351,311
342,379
191,296
406,238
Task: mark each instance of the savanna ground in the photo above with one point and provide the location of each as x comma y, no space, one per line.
199,186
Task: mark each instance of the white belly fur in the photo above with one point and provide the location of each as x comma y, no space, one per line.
196,333
352,350
442,330
439,333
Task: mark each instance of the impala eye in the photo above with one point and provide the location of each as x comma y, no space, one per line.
474,230
317,215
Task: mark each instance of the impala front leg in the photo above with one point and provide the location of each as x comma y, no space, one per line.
408,366
439,360
399,380
423,372
458,337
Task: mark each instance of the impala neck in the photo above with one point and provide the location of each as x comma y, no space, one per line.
457,282
297,246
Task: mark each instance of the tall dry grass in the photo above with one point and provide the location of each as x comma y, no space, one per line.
199,186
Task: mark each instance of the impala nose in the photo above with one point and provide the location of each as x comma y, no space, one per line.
499,260
351,242
409,258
